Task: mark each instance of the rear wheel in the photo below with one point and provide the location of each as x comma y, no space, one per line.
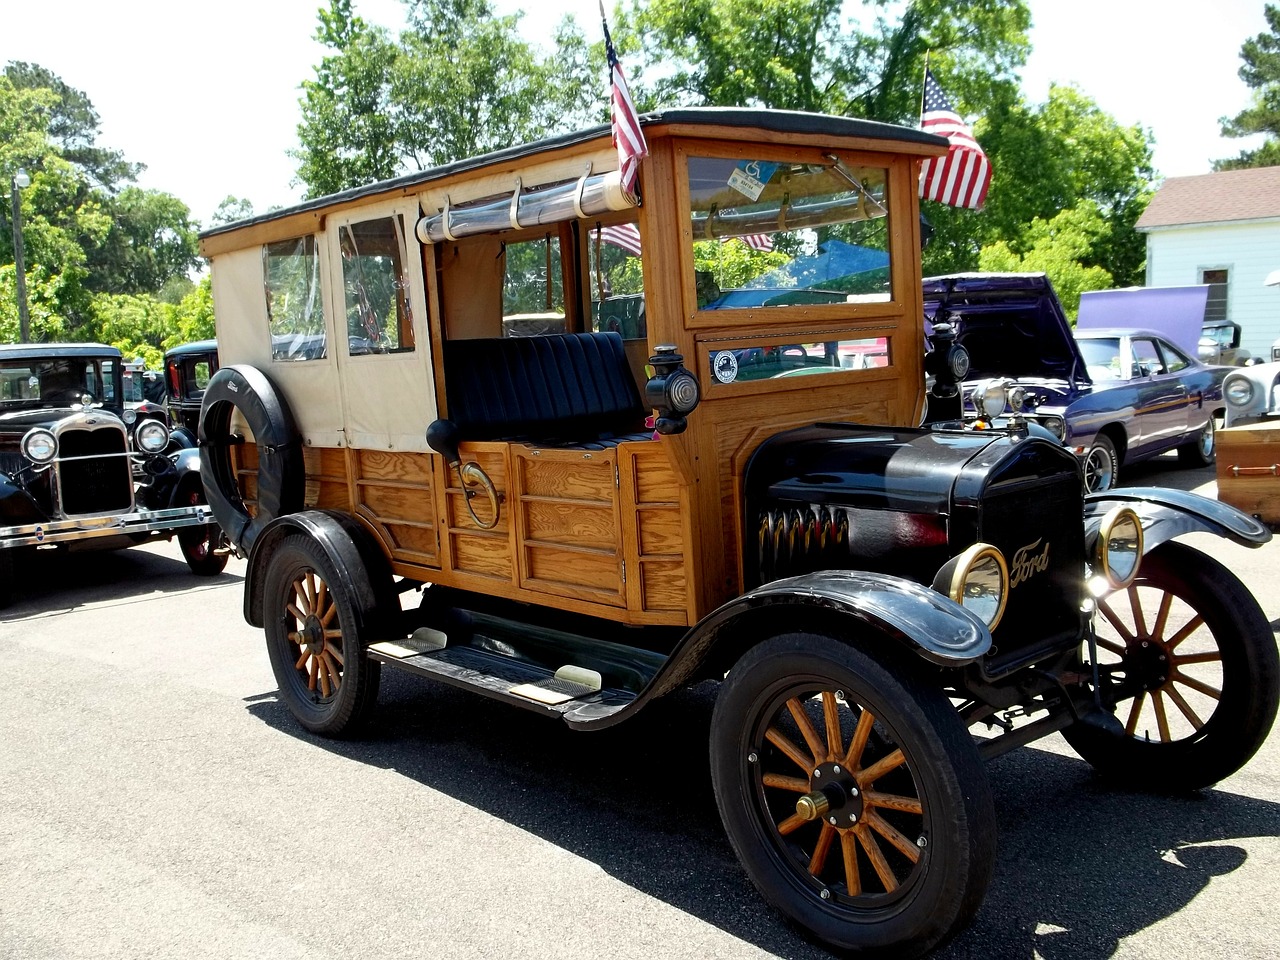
852,794
1101,465
314,642
1203,451
1188,663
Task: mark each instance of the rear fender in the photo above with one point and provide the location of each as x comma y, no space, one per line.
1166,514
356,558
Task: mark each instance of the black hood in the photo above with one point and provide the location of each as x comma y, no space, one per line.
1011,323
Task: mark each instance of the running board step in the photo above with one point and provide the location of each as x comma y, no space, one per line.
566,691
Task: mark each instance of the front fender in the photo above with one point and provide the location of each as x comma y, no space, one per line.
920,619
17,507
1166,514
359,563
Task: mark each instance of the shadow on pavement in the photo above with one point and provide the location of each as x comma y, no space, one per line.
1079,866
50,580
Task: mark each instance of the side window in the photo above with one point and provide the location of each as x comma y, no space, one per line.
1146,359
532,287
617,286
1175,360
295,310
376,291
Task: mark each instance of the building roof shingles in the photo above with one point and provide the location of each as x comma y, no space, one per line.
1215,198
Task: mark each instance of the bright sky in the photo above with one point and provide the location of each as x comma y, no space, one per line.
206,94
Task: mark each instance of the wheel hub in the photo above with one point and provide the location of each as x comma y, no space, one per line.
312,633
1147,662
833,796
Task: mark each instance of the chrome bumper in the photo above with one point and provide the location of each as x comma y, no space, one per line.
55,531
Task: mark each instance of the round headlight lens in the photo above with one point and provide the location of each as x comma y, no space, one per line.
978,580
130,415
991,398
1119,549
39,445
958,360
152,436
1238,391
682,391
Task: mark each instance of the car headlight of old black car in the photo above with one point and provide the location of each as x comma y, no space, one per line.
151,436
39,446
978,580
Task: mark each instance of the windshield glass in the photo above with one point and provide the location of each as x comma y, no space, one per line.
54,382
772,233
1101,357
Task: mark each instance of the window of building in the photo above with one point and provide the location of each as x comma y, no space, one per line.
1216,308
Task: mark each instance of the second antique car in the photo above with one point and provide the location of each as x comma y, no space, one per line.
1113,396
1249,454
579,523
187,371
75,475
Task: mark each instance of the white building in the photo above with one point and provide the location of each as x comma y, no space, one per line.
1221,229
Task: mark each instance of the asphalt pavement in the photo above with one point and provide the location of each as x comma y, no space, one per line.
159,801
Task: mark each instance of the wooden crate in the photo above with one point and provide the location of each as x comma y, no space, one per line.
1249,469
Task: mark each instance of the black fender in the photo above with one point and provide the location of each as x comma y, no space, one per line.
363,570
919,619
17,507
186,463
1166,514
281,474
181,437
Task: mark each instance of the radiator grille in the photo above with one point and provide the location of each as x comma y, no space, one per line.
1037,526
102,481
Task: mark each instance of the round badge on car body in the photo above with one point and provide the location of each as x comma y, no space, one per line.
725,365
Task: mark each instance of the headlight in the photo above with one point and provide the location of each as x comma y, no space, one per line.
152,436
130,415
1238,391
990,398
978,580
1054,425
39,445
1118,552
958,360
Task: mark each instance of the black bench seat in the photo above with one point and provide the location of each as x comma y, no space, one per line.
572,389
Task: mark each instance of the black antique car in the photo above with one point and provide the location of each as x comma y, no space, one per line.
583,519
187,370
75,475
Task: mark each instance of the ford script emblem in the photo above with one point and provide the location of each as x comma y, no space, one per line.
1027,562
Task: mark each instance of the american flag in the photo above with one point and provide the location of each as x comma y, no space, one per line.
627,237
628,138
961,178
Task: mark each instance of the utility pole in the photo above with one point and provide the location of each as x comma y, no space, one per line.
19,182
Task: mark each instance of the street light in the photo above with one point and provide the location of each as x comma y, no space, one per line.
20,182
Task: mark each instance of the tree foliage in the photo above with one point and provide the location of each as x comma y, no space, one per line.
88,232
1261,71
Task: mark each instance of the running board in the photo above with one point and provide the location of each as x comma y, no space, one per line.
573,692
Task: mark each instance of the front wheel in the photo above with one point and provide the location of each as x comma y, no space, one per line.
1188,664
199,545
314,642
852,794
1101,465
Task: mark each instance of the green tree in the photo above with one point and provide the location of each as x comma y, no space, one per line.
1261,71
230,210
152,240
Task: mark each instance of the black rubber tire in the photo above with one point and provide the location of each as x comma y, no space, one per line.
1194,454
1233,723
199,543
952,836
1096,475
281,472
306,671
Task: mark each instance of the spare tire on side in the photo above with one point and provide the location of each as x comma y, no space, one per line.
281,474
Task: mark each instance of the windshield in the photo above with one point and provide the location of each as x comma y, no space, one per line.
1101,357
54,382
784,234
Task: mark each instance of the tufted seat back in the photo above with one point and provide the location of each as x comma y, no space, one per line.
573,387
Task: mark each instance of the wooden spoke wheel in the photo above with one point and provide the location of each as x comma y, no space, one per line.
1188,664
852,794
199,544
313,638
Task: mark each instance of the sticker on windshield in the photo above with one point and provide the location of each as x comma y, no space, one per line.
725,365
750,176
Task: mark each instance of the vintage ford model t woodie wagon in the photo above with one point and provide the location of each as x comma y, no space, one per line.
621,445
